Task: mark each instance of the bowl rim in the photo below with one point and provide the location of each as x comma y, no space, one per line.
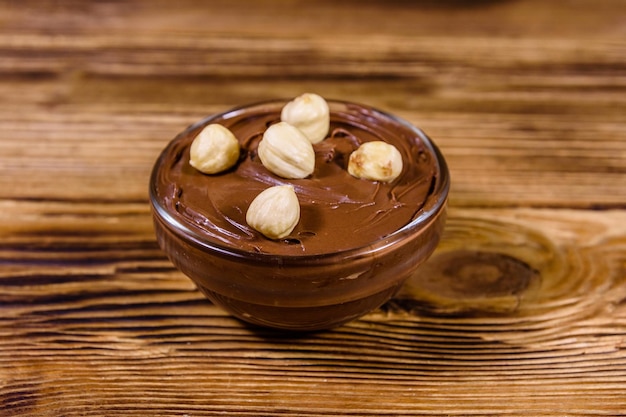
434,204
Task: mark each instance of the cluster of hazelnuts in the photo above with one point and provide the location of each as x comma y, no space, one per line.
286,150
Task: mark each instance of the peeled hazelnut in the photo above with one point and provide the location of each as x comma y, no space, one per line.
377,161
309,113
214,150
285,151
275,212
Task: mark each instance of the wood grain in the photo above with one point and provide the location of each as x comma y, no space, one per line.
521,311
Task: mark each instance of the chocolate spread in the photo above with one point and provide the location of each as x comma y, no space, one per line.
338,211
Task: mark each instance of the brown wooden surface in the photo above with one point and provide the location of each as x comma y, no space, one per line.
521,311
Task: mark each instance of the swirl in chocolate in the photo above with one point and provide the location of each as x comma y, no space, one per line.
338,211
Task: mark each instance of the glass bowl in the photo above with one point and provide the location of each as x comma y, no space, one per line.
299,291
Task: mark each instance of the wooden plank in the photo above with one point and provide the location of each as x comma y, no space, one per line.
602,18
119,329
551,108
572,163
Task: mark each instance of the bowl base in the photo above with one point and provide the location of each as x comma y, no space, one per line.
300,318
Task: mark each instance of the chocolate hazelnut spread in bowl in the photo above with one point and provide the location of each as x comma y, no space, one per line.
347,240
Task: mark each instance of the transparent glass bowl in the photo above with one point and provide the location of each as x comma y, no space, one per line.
307,292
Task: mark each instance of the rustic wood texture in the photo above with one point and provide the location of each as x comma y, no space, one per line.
521,311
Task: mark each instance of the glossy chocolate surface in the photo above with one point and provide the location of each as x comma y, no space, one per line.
338,212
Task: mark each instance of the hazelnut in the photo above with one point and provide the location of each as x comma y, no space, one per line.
275,212
376,161
285,151
309,113
214,149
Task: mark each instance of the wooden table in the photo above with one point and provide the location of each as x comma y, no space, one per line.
521,311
